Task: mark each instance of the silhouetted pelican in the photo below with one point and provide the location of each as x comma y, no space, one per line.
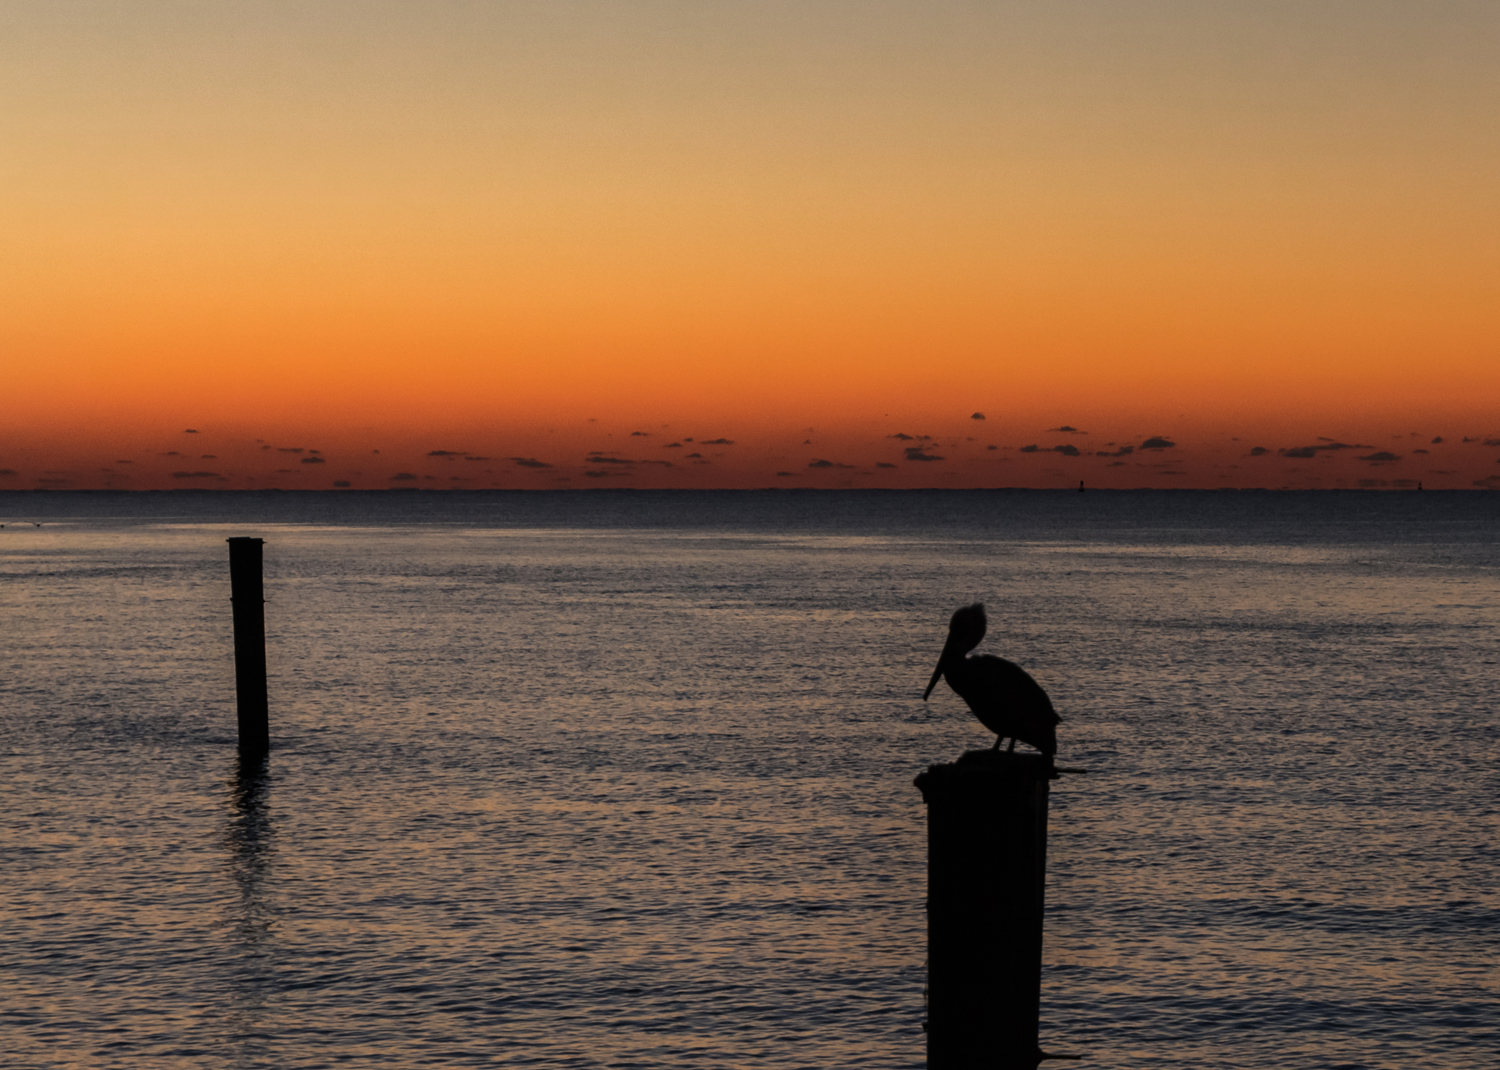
1002,695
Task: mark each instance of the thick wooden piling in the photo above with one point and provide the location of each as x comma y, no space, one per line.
247,593
986,875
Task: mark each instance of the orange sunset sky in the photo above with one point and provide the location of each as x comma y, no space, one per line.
682,243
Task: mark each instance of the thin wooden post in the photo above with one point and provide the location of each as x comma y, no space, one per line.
986,876
247,593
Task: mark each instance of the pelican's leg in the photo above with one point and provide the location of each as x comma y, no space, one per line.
1012,748
998,741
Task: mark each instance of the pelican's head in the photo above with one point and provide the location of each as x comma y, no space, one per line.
966,628
965,631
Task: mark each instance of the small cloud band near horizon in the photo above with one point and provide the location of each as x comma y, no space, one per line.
945,456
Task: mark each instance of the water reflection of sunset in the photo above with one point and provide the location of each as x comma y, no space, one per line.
627,779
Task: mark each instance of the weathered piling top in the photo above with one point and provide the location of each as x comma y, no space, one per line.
975,765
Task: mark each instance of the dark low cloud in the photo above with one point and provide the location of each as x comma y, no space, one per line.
340,482
208,457
8,472
1381,457
673,446
595,458
1492,442
290,449
470,457
1259,451
884,464
1067,430
191,431
717,442
914,453
1157,442
445,453
1067,449
903,437
828,464
664,464
1436,441
529,462
640,434
977,416
403,476
694,456
1324,444
992,447
195,475
786,473
1123,451
313,460
1421,451
1033,448
594,474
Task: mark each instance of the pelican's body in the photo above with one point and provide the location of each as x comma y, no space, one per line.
1002,695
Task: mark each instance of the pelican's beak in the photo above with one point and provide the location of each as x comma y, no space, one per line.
937,674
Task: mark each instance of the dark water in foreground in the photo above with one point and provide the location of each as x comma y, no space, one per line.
624,779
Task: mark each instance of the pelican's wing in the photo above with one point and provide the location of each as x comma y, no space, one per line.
1010,686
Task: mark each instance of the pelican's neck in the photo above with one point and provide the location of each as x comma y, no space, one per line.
953,658
957,648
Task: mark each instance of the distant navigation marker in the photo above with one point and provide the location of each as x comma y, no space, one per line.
247,594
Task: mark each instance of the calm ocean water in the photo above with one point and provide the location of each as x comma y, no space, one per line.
612,779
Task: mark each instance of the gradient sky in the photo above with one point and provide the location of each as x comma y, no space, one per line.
536,244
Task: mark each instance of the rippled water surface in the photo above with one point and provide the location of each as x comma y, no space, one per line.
625,780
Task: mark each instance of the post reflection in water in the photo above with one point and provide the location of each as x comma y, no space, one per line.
249,836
